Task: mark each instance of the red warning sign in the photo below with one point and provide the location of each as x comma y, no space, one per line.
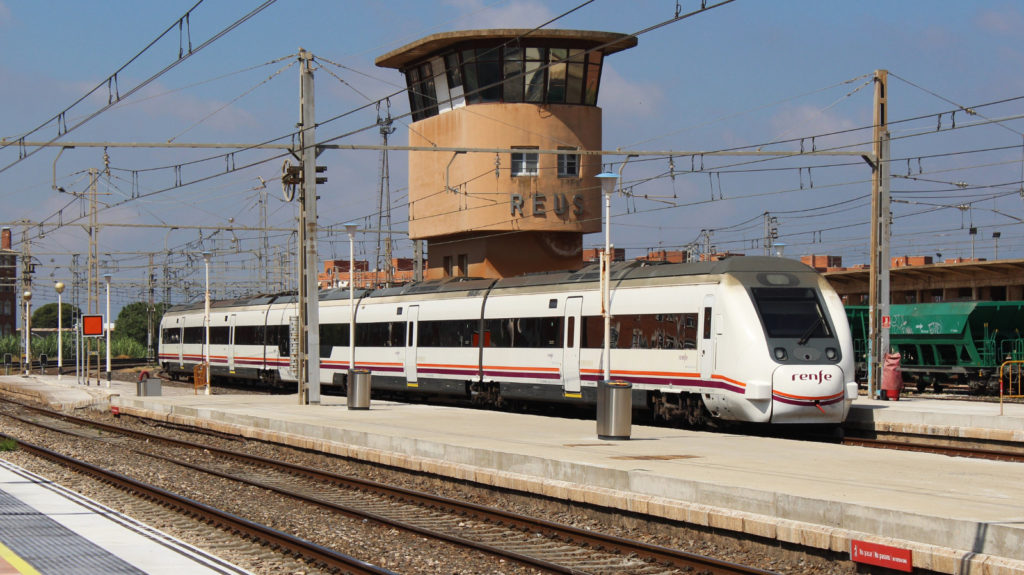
885,322
881,555
92,325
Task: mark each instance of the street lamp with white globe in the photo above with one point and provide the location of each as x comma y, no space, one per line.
27,296
59,288
608,181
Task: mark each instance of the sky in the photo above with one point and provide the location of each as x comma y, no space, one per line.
748,75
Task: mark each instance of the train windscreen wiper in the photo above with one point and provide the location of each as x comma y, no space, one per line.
807,334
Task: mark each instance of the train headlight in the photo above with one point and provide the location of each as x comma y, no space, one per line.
780,354
830,353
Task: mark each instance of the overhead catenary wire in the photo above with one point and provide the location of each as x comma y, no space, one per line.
719,171
115,94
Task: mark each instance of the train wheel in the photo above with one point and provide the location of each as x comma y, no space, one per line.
694,411
487,395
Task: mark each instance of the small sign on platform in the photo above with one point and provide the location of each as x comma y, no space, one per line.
881,555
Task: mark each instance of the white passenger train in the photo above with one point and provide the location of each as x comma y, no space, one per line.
749,339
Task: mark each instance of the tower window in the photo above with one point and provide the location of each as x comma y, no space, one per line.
568,164
524,163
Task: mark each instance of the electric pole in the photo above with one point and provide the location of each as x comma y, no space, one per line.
878,291
309,304
25,301
384,198
771,232
150,311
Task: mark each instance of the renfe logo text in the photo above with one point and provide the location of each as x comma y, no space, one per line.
819,377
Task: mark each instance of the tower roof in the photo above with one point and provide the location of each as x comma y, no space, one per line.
424,47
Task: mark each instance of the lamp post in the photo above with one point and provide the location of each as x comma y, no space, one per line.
106,327
59,287
206,321
608,181
780,247
27,296
351,229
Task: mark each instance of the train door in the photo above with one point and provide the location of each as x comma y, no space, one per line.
411,341
707,340
181,345
571,351
231,344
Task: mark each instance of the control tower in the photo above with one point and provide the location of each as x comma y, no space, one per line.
530,93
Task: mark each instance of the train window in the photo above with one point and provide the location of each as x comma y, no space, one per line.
249,335
570,336
380,334
334,334
219,335
707,323
643,331
524,332
172,335
193,335
791,313
448,333
277,335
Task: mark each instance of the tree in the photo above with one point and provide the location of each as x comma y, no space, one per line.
46,316
133,321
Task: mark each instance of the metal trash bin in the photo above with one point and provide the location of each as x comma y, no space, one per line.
148,387
359,381
614,409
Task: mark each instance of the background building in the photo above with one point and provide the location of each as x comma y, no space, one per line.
8,285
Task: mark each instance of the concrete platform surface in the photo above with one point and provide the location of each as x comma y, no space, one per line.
959,418
47,529
956,515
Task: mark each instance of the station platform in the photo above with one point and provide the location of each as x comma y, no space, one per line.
47,529
954,515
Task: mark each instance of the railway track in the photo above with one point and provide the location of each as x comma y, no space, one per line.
542,544
913,443
305,551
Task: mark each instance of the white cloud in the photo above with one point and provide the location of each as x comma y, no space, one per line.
807,121
1007,20
627,97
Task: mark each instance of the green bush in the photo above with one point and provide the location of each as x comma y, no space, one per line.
119,347
126,347
10,344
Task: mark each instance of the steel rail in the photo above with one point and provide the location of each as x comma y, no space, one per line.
318,554
512,521
949,450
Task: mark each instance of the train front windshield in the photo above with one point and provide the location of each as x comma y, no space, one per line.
789,313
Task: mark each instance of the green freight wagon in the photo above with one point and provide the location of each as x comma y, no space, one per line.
949,343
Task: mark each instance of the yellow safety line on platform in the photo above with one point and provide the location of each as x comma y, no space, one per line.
17,562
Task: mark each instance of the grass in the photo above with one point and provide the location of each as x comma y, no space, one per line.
8,444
